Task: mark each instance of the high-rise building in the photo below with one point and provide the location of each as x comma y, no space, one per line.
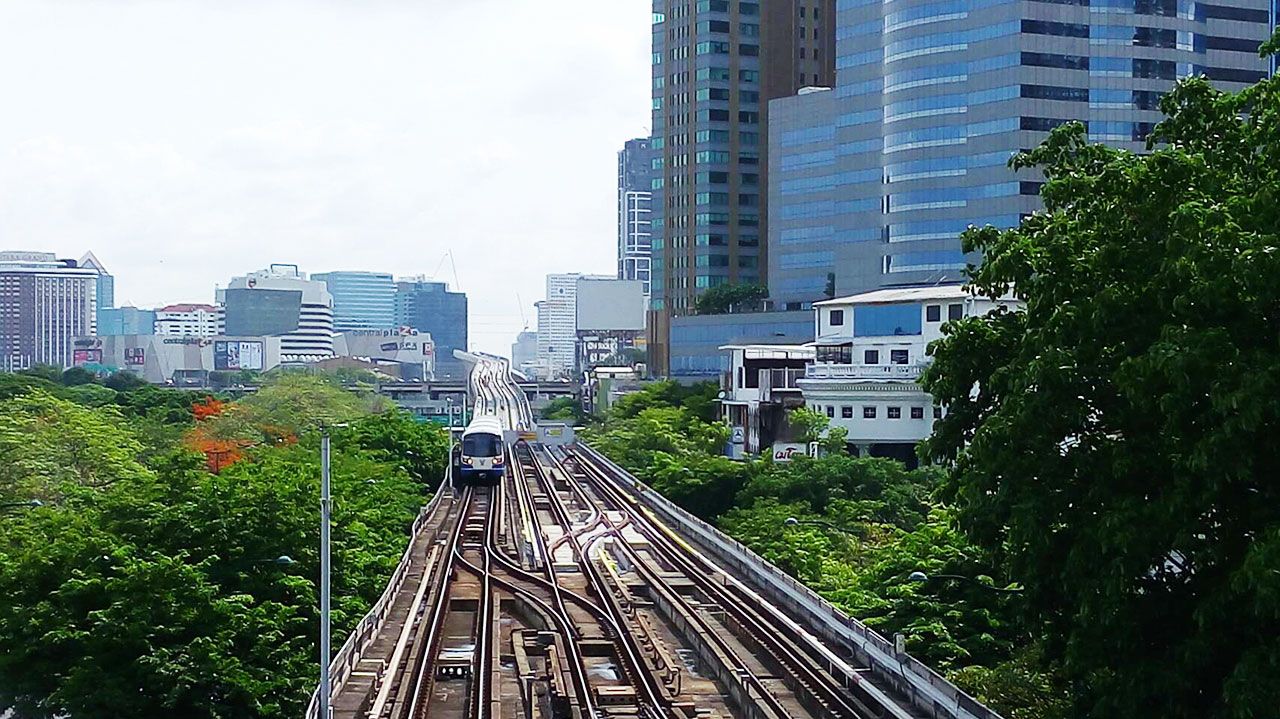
281,302
873,181
361,300
105,295
45,302
524,351
189,320
716,65
125,322
430,307
635,207
558,323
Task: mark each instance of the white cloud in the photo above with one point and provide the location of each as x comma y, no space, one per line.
185,141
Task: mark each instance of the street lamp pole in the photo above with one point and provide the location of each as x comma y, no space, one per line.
325,506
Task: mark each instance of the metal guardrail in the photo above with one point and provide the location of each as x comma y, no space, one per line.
348,657
857,371
927,690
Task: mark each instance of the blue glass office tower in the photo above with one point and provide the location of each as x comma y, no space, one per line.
125,321
430,307
872,181
361,300
716,65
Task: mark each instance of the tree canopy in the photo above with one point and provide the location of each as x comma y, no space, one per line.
864,525
723,299
147,586
1113,444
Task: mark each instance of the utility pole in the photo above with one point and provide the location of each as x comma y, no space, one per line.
325,506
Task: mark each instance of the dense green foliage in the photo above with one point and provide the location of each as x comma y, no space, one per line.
1114,445
722,299
882,522
565,409
146,586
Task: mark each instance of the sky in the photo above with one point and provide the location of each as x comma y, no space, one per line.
185,142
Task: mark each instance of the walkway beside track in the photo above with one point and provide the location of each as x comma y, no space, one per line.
354,697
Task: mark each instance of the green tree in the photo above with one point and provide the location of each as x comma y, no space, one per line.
701,399
724,299
568,409
51,373
1113,444
811,425
125,381
290,404
74,376
153,595
51,447
394,437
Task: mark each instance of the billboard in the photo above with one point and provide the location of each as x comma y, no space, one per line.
596,347
785,451
606,304
135,356
230,356
84,357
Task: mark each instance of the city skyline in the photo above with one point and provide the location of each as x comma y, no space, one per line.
285,152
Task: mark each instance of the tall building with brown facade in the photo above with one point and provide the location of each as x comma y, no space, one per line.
716,66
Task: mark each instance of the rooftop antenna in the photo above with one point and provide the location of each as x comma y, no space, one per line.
457,285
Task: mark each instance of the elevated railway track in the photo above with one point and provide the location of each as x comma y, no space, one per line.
560,594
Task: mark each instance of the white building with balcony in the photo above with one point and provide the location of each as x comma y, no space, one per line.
189,320
761,386
870,351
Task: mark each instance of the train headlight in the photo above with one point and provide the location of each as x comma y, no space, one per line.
499,460
466,461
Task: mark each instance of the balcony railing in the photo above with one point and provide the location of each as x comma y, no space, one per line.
847,371
774,381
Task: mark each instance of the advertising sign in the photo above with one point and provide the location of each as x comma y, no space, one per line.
784,452
237,355
135,356
83,357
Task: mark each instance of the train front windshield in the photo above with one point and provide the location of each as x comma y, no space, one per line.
481,445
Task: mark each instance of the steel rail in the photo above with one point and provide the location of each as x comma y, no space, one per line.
789,655
653,692
703,627
429,648
576,660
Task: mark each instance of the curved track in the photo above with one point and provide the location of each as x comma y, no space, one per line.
557,595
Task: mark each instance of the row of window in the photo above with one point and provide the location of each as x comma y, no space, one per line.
872,411
954,196
926,261
1131,35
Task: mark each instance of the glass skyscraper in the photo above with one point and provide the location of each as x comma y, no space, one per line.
635,209
716,65
361,300
430,307
872,181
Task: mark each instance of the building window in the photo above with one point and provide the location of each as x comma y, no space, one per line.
846,412
868,412
917,413
837,318
871,357
831,411
895,413
933,313
899,356
937,413
955,312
